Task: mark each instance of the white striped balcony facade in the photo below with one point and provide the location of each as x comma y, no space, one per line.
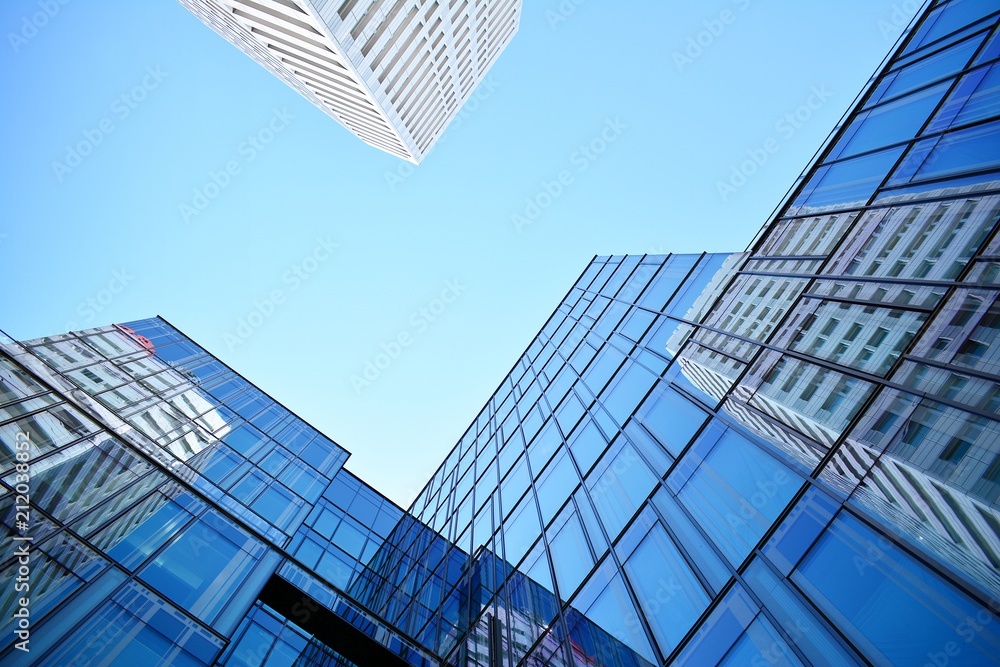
393,72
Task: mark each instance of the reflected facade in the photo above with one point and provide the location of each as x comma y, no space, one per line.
785,456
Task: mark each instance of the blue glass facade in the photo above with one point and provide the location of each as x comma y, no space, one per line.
785,456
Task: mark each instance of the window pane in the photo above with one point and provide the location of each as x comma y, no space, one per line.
672,419
570,556
555,485
761,644
668,592
892,606
736,494
618,485
889,123
845,184
521,529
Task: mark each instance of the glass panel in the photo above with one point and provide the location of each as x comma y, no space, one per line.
761,644
668,592
889,123
555,485
609,607
846,184
942,64
160,519
821,646
977,97
953,154
570,556
206,568
868,338
736,493
136,627
521,529
667,281
671,419
896,609
948,19
618,485
587,445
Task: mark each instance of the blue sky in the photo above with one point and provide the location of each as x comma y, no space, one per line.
210,191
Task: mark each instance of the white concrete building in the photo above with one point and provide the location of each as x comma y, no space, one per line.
393,72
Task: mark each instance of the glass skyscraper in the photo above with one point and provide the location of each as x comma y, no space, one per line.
785,456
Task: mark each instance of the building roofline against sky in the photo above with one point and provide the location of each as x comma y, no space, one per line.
293,413
555,310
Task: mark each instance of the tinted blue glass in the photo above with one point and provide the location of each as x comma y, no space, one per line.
889,123
204,569
277,505
942,64
846,184
626,390
958,153
701,552
244,439
135,628
951,17
216,464
149,535
613,611
555,485
991,51
668,592
618,486
602,368
816,641
892,606
521,529
984,102
350,537
570,556
667,281
704,272
303,480
336,567
516,483
737,492
648,448
760,645
670,418
587,445
635,325
178,351
543,446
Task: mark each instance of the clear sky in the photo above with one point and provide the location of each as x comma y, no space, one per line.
360,248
